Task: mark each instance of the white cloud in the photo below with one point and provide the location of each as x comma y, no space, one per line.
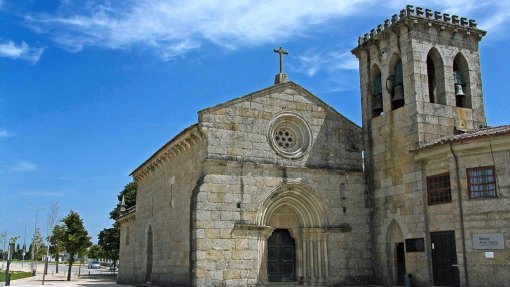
22,51
312,63
5,134
177,27
24,166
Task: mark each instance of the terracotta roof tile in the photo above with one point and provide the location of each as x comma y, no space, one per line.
484,132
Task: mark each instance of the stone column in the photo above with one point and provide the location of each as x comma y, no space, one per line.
298,239
264,234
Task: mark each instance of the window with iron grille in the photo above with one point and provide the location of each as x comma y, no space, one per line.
481,182
438,189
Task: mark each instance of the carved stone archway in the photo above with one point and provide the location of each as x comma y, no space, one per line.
296,208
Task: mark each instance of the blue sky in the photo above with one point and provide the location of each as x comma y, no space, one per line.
89,89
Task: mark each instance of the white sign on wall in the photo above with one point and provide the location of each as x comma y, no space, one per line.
489,241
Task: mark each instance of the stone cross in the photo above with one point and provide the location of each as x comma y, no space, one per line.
281,52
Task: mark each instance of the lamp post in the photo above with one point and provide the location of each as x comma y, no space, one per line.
12,243
24,242
34,264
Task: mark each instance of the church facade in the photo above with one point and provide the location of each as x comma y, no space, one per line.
276,186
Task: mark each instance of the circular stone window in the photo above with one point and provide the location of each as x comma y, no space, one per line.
290,135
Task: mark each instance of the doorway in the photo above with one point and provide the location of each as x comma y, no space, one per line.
281,257
444,258
400,260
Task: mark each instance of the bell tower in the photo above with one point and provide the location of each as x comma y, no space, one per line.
420,80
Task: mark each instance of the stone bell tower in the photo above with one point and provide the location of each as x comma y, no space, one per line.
420,80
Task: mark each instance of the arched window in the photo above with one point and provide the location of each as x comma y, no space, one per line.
431,77
377,101
395,83
461,83
435,77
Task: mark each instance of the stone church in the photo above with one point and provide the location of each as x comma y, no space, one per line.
278,188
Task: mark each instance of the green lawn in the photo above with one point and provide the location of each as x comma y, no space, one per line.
15,275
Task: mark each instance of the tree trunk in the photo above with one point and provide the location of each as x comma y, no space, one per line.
57,262
71,259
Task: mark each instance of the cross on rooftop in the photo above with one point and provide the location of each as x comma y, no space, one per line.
281,52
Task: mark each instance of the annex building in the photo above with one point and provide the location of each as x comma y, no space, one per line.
276,186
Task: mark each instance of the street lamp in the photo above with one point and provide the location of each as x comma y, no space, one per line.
34,264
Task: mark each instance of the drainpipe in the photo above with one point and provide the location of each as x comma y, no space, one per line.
461,214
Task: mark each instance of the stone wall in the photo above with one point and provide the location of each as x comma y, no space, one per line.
480,216
163,204
249,189
127,250
238,129
231,231
395,180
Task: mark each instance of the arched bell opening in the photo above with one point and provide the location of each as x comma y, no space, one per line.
376,92
461,82
435,77
395,82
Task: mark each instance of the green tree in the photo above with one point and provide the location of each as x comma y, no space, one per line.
109,238
129,194
38,244
56,242
76,239
96,252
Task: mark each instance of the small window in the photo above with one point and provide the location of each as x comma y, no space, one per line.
481,182
438,189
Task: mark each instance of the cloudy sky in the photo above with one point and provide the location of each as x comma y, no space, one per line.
90,88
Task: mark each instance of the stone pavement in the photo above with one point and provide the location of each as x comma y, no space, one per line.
60,280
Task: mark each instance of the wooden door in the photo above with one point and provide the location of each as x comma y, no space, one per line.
401,262
281,257
444,258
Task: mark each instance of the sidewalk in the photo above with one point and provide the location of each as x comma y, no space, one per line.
60,280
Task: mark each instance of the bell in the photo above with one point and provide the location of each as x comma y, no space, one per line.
458,90
377,106
398,94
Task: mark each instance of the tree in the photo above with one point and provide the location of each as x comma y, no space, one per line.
129,194
52,217
38,244
109,238
76,239
96,252
56,242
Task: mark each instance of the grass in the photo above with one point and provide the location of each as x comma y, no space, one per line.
15,275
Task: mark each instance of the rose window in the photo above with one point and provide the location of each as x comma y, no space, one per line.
290,135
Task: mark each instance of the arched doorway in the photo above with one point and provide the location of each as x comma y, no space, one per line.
148,274
294,212
395,254
281,257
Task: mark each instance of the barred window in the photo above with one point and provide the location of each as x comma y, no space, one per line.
438,189
481,182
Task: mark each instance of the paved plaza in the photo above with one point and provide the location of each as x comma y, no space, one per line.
96,278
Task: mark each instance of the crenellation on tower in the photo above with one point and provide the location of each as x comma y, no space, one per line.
422,16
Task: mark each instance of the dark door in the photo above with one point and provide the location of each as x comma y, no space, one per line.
444,258
401,262
281,257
